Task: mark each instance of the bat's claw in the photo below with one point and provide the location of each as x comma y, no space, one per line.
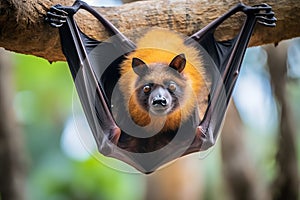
266,21
56,16
114,135
206,136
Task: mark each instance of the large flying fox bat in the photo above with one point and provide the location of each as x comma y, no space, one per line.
163,97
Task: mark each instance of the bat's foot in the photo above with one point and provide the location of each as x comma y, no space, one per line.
56,16
263,14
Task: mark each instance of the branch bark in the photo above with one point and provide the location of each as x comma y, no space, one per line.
23,30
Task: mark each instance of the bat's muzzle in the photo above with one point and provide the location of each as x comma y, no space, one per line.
159,101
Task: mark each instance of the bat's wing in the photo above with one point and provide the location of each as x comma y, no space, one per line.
227,56
94,67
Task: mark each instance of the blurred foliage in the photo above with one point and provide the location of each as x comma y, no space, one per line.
43,104
293,87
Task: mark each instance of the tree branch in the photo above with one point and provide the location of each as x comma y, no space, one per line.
23,29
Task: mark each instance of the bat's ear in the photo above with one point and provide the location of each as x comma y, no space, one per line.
139,67
178,63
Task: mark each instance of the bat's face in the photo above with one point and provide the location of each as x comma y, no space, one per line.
159,87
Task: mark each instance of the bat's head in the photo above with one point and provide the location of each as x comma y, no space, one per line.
160,86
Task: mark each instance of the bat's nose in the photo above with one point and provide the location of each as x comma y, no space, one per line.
159,101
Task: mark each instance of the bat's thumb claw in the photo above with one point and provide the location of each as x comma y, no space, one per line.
115,135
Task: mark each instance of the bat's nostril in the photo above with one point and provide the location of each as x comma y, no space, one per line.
162,101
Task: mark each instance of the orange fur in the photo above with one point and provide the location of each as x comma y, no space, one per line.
161,46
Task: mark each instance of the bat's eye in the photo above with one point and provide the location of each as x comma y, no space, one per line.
172,87
146,89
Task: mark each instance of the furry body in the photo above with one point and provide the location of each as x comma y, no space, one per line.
157,49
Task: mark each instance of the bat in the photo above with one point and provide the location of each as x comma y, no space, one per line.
98,69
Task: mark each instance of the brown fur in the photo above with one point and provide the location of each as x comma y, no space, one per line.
161,46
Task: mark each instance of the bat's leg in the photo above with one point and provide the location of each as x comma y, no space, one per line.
57,15
124,42
211,27
266,18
